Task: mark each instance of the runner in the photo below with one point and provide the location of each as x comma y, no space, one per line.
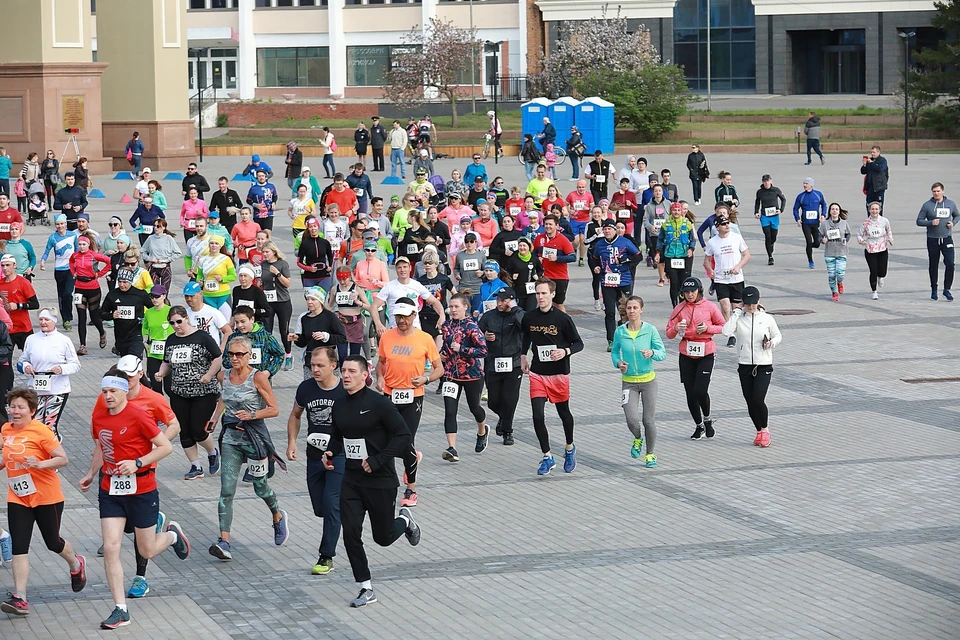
247,295
62,243
876,236
401,363
275,274
203,316
127,306
156,330
316,327
939,215
128,445
554,338
49,358
758,334
615,255
581,203
502,328
266,354
835,233
439,285
675,244
636,346
369,430
19,297
349,302
317,396
216,272
246,402
83,266
724,258
555,252
192,358
404,288
315,257
462,352
654,215
811,205
31,458
767,208
696,321
593,235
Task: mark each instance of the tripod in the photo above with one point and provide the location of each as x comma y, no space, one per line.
76,148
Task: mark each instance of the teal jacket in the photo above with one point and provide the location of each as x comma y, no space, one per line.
675,238
627,349
271,353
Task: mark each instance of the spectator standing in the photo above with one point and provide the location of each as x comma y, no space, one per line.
294,162
378,139
812,130
876,176
6,166
361,140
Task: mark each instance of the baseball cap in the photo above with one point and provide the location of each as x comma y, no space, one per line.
766,176
394,198
404,307
721,220
146,170
304,169
158,290
478,179
214,214
454,195
8,258
470,237
130,365
691,284
401,259
751,295
255,157
421,171
369,244
192,288
507,293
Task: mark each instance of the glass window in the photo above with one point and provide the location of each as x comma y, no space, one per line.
219,4
685,14
354,2
719,60
733,57
685,55
367,66
742,13
93,10
290,67
198,4
720,13
744,60
284,3
231,73
307,3
263,3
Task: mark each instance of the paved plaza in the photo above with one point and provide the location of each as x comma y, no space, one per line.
848,526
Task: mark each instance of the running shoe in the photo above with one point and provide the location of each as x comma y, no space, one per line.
81,350
637,448
182,546
756,441
811,265
499,430
103,341
660,283
247,477
6,547
221,549
933,294
650,460
570,459
596,305
546,465
68,326
732,341
948,295
15,605
100,551
108,324
213,459
419,458
482,441
708,427
840,288
836,297
508,439
450,455
880,282
138,588
698,433
764,439
78,578
119,618
409,498
580,262
195,473
770,261
413,529
288,362
365,597
875,296
161,521
483,396
649,261
711,289
323,567
280,529
609,346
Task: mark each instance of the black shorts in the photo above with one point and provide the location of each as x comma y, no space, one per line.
141,509
733,291
561,293
423,138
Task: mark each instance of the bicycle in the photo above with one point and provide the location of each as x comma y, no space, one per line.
561,156
487,143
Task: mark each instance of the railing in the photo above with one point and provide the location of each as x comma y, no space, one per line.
510,88
207,95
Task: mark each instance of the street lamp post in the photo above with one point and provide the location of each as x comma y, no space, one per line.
906,35
494,48
473,64
709,75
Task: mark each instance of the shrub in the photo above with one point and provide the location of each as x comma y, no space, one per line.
222,120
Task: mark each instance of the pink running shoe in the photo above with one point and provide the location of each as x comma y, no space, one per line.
764,439
836,297
758,439
419,458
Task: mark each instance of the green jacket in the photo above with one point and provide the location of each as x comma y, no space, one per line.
265,346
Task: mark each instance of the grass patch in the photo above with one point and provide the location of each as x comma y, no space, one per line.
469,121
862,110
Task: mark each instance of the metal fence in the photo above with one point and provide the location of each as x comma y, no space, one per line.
510,88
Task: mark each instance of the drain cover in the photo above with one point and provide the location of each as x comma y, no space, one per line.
790,312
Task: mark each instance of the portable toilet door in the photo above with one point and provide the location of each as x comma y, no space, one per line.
531,116
562,116
595,120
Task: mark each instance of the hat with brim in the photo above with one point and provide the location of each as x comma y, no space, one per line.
751,295
691,284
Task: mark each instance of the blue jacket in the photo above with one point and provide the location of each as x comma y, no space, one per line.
812,201
252,171
135,146
472,171
675,239
144,218
627,349
615,257
489,288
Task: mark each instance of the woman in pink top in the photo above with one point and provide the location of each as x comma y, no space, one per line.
191,209
244,234
455,210
370,274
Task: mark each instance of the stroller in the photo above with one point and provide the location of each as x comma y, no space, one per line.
37,204
439,186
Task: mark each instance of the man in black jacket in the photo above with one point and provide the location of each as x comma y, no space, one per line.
378,138
877,176
125,305
503,330
226,202
71,199
194,180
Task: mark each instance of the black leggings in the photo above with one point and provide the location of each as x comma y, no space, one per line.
411,415
611,308
595,277
357,502
91,303
769,239
877,263
676,276
540,421
193,414
47,517
283,311
503,391
695,375
811,233
472,389
754,382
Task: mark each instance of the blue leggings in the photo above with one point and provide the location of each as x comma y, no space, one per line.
836,270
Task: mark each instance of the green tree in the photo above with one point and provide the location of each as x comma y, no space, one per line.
651,100
942,69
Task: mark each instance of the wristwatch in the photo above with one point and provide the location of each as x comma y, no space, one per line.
139,463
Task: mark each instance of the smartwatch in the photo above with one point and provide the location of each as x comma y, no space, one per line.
139,463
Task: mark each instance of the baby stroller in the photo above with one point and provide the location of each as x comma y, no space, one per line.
439,186
37,206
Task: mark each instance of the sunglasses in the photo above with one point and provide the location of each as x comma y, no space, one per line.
237,354
114,224
476,157
130,264
369,250
157,296
723,224
178,322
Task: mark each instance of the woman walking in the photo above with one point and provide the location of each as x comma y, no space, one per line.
835,233
636,346
876,237
247,401
83,266
50,170
328,144
697,168
160,251
462,353
757,335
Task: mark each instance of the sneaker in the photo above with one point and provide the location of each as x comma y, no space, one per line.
483,396
221,549
546,465
609,346
365,597
419,458
596,305
508,439
570,459
880,282
78,578
288,362
103,341
68,326
482,441
649,261
280,529
213,459
81,350
119,618
450,455
413,529
811,265
182,546
875,296
323,566
650,461
732,341
711,289
708,427
195,473
806,163
756,441
840,288
660,283
15,605
696,202
698,433
161,521
499,429
138,588
823,161
409,498
109,325
948,295
836,297
637,449
100,551
764,439
6,547
770,261
580,262
933,294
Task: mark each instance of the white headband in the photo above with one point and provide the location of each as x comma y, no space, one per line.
48,315
115,382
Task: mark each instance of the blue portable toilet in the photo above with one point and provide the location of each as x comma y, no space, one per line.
531,116
594,119
561,114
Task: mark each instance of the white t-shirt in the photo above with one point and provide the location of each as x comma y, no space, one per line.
335,232
143,188
394,290
208,319
727,253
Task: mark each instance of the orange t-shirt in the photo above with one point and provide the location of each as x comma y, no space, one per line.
35,439
403,358
345,199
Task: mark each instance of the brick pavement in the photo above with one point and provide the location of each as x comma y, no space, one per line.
846,527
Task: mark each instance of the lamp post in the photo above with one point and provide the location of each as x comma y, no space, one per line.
473,65
906,35
709,75
494,48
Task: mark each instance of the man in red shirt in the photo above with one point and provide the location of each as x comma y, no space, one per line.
7,215
623,205
128,443
555,252
345,198
485,226
19,297
580,202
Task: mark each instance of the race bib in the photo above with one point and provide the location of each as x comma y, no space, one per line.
810,215
833,234
489,305
245,303
257,468
545,352
41,382
344,298
123,485
450,389
656,226
191,224
270,295
211,285
770,211
549,253
5,227
503,365
23,485
876,233
728,198
623,214
611,279
530,288
319,440
181,355
402,396
257,270
625,397
471,265
943,212
600,179
157,347
255,355
359,192
78,299
126,312
514,211
696,349
511,245
678,263
542,195
412,248
355,448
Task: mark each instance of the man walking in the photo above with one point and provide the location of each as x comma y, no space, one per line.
812,130
939,215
